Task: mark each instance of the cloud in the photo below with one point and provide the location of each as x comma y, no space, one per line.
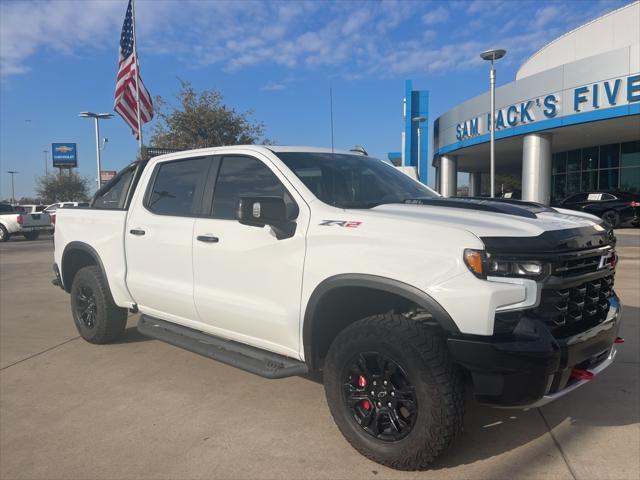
435,16
272,87
340,38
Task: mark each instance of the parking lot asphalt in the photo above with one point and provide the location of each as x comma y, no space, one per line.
143,409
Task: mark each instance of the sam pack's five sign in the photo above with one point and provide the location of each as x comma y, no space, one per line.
604,94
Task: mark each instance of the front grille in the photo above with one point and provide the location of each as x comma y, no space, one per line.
577,266
587,302
568,305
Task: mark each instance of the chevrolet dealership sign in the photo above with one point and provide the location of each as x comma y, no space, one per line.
64,155
606,94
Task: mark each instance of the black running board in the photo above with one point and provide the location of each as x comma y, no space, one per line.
251,359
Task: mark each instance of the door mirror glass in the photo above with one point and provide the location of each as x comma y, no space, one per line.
272,211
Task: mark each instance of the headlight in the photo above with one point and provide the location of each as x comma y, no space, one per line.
484,264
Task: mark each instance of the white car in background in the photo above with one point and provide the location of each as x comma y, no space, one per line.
26,220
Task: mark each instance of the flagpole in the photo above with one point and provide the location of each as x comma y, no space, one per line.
135,46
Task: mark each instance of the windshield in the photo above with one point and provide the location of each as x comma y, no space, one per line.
353,181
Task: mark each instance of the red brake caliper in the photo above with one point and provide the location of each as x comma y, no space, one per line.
362,382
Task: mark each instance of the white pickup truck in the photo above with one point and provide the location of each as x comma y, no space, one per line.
288,260
26,220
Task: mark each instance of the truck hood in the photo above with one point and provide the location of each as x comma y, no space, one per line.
491,219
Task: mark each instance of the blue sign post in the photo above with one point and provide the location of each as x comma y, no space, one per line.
416,130
64,155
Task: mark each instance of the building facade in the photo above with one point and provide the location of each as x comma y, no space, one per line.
570,121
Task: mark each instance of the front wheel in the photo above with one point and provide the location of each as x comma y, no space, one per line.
97,317
611,218
4,234
393,391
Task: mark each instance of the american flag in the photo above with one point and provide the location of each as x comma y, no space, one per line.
128,69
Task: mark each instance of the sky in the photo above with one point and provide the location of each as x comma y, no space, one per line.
277,59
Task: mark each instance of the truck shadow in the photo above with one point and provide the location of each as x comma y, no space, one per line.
132,335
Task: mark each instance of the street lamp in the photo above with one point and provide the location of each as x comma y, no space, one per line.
97,117
493,55
13,190
46,170
419,120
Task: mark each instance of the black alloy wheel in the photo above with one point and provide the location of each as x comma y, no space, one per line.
380,397
95,314
86,306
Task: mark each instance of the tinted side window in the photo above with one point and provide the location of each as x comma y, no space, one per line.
114,196
243,176
580,197
177,187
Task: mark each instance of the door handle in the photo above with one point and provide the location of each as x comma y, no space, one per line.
137,231
207,239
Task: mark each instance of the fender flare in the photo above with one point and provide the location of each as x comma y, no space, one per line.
389,285
85,247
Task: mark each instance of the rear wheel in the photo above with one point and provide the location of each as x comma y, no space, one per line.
611,218
31,235
97,317
4,234
393,391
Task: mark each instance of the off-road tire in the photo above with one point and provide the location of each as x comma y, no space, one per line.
421,352
611,218
31,235
4,234
110,320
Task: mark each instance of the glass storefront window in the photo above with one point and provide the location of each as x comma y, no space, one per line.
573,160
630,179
559,188
630,156
559,162
590,158
589,181
573,183
609,179
610,156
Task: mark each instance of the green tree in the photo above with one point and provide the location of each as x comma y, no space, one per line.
202,120
65,187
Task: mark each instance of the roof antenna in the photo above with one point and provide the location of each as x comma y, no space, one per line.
331,112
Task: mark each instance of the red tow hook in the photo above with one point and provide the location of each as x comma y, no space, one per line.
581,374
619,340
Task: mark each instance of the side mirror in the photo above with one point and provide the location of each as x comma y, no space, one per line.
272,211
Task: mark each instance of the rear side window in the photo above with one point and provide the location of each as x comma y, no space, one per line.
177,187
580,197
114,194
243,176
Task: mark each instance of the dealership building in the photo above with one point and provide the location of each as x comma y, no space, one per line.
570,122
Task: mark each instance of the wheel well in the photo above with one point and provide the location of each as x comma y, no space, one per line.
72,262
340,307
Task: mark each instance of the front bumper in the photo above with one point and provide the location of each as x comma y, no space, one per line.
531,367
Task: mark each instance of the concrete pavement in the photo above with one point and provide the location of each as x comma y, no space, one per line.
144,409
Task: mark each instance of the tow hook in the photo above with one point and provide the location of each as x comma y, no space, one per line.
579,374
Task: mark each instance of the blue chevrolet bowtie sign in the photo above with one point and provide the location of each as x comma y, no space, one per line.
64,155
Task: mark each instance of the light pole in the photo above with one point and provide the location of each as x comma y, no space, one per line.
97,117
419,120
493,55
46,160
13,190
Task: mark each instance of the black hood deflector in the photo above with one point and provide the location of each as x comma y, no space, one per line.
493,205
